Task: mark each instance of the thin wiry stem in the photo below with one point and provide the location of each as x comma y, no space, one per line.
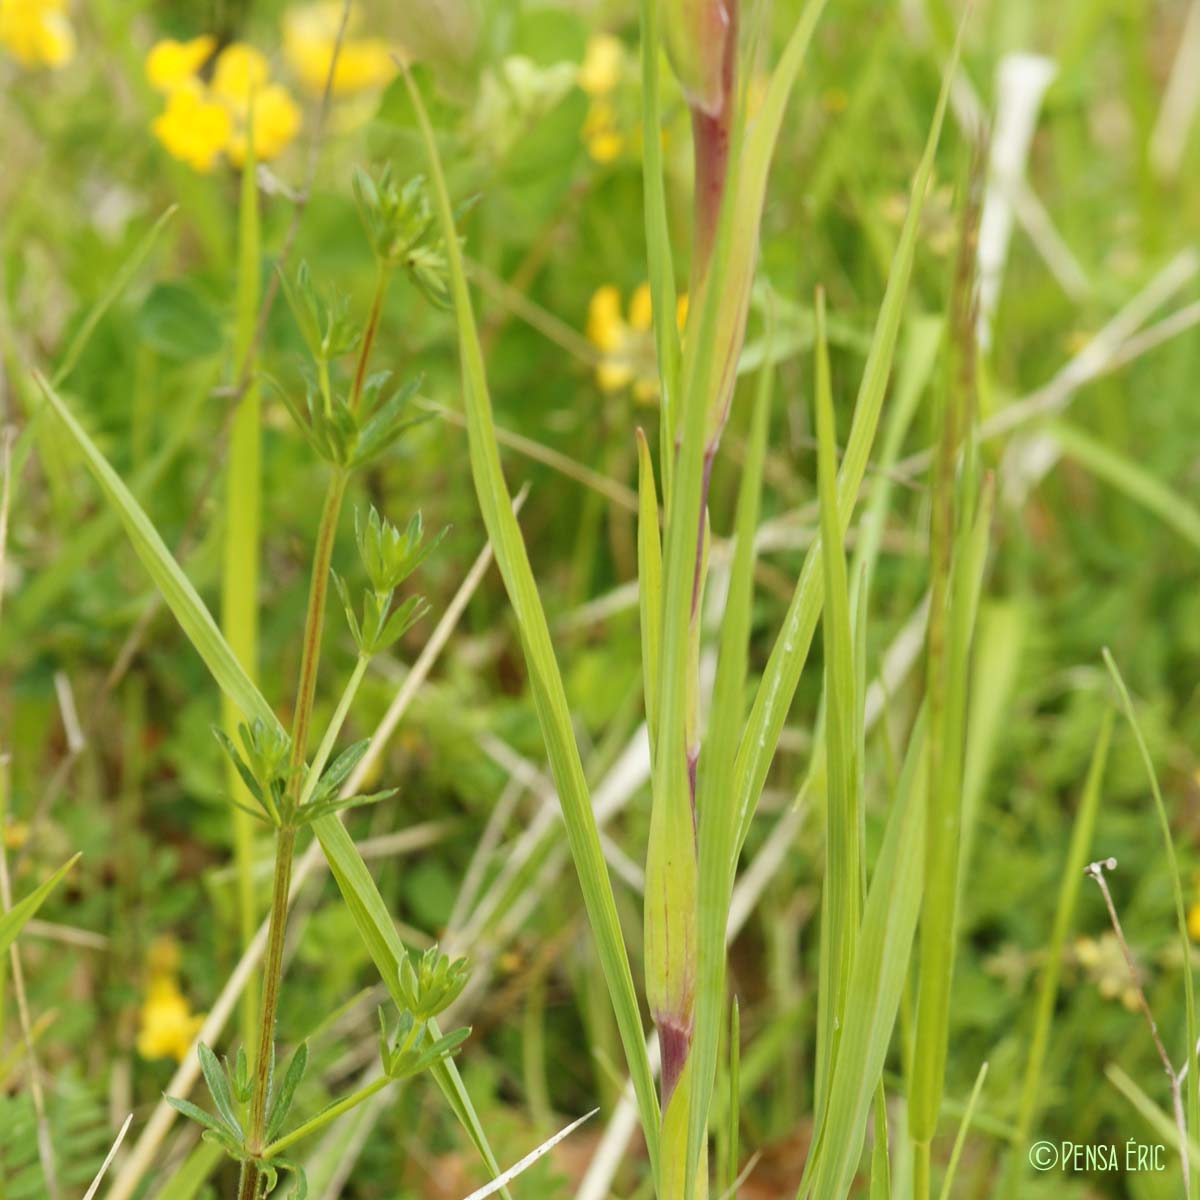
1096,871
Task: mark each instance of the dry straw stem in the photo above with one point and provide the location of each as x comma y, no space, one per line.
1096,871
1191,1100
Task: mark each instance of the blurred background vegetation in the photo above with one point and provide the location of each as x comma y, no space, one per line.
107,712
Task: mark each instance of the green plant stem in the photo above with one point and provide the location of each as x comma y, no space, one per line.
364,356
326,1115
314,625
335,727
285,840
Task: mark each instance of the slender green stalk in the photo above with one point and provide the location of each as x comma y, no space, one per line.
323,1118
1064,915
240,566
285,840
313,777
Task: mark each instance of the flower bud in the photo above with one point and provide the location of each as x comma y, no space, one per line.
699,34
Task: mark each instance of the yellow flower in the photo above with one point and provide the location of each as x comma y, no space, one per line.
626,342
240,71
600,71
170,63
193,128
276,120
1193,922
309,36
37,33
240,82
604,141
201,122
168,1025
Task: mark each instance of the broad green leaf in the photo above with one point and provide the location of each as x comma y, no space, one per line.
13,921
782,674
181,597
179,324
545,680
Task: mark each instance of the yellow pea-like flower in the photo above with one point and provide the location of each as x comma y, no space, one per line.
240,71
171,64
309,36
600,71
276,120
37,33
194,128
167,1025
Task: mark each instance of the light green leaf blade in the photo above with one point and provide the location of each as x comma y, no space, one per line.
378,932
13,921
181,597
545,680
1132,479
649,583
840,891
786,662
960,1139
877,977
717,815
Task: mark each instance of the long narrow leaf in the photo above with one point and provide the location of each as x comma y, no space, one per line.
13,921
354,880
877,977
545,680
177,590
717,816
840,890
774,696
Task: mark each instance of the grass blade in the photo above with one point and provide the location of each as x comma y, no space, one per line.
649,583
13,921
775,693
1132,479
181,597
877,978
545,679
840,892
960,1139
716,813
